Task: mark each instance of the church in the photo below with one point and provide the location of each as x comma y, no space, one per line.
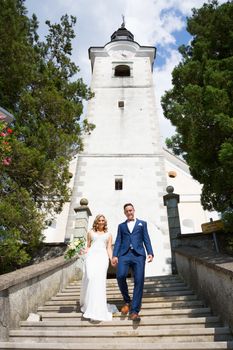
123,160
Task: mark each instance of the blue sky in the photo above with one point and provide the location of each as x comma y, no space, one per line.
160,23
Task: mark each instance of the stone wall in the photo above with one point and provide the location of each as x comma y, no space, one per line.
210,275
197,240
22,291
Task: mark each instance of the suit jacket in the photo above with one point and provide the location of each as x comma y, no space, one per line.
137,239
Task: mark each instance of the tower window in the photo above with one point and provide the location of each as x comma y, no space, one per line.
121,104
122,71
118,184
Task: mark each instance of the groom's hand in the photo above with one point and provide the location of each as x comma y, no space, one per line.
150,258
114,261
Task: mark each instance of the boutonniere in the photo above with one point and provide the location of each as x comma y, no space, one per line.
140,224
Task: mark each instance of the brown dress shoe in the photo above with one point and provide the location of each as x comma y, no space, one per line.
134,317
125,309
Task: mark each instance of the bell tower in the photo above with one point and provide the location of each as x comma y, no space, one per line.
122,159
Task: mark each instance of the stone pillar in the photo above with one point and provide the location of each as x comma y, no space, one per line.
171,201
81,221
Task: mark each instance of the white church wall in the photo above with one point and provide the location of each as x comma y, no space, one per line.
118,128
192,215
56,231
143,192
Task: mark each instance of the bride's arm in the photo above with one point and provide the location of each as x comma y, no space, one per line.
88,243
109,247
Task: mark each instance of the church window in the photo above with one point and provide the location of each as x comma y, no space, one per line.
121,104
122,70
118,184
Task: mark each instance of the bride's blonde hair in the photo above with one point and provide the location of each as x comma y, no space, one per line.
95,223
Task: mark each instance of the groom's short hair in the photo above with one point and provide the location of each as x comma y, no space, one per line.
127,204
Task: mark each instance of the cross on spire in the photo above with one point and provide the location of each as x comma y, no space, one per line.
123,21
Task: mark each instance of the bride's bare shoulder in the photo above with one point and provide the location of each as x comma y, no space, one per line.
90,233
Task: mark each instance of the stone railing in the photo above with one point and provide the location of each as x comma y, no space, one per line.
196,258
22,291
210,275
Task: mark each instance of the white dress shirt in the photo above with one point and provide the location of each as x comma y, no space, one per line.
131,225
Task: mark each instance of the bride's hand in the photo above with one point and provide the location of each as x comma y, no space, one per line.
84,251
114,261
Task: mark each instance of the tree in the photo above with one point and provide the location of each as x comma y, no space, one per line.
200,104
5,144
38,85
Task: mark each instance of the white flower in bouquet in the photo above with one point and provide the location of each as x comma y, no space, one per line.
75,247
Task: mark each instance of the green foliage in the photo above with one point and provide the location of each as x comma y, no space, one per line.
38,85
5,145
21,227
200,104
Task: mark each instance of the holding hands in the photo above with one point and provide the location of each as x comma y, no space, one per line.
114,261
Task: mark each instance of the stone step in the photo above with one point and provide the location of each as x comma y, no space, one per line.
122,336
114,346
117,294
130,285
147,299
159,305
212,321
152,279
130,282
113,282
69,312
145,290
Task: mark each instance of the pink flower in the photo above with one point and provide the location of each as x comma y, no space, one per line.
3,134
6,161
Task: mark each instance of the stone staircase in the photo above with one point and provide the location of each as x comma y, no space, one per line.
172,318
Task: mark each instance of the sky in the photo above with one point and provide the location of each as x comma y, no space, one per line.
159,23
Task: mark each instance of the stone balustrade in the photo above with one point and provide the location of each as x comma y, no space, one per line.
22,291
210,275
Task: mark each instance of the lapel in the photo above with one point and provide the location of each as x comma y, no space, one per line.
135,226
126,227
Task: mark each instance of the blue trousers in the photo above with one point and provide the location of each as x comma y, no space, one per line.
137,264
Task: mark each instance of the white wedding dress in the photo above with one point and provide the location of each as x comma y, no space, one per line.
93,300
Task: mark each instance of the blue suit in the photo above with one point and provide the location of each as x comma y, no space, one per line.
129,248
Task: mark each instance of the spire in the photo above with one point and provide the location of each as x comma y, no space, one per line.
122,33
123,21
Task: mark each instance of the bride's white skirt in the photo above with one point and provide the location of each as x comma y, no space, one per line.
93,298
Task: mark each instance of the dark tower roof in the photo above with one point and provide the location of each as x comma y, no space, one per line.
122,34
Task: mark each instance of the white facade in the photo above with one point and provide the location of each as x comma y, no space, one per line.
125,147
191,213
56,231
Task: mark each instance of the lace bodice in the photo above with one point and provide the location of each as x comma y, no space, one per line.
99,240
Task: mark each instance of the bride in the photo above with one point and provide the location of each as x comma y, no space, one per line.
93,300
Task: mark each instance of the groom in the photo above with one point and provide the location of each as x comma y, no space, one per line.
130,252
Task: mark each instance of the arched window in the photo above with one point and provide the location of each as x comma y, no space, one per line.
122,71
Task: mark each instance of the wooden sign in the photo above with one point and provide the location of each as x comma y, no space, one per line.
212,226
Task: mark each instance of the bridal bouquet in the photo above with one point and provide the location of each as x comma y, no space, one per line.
75,247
